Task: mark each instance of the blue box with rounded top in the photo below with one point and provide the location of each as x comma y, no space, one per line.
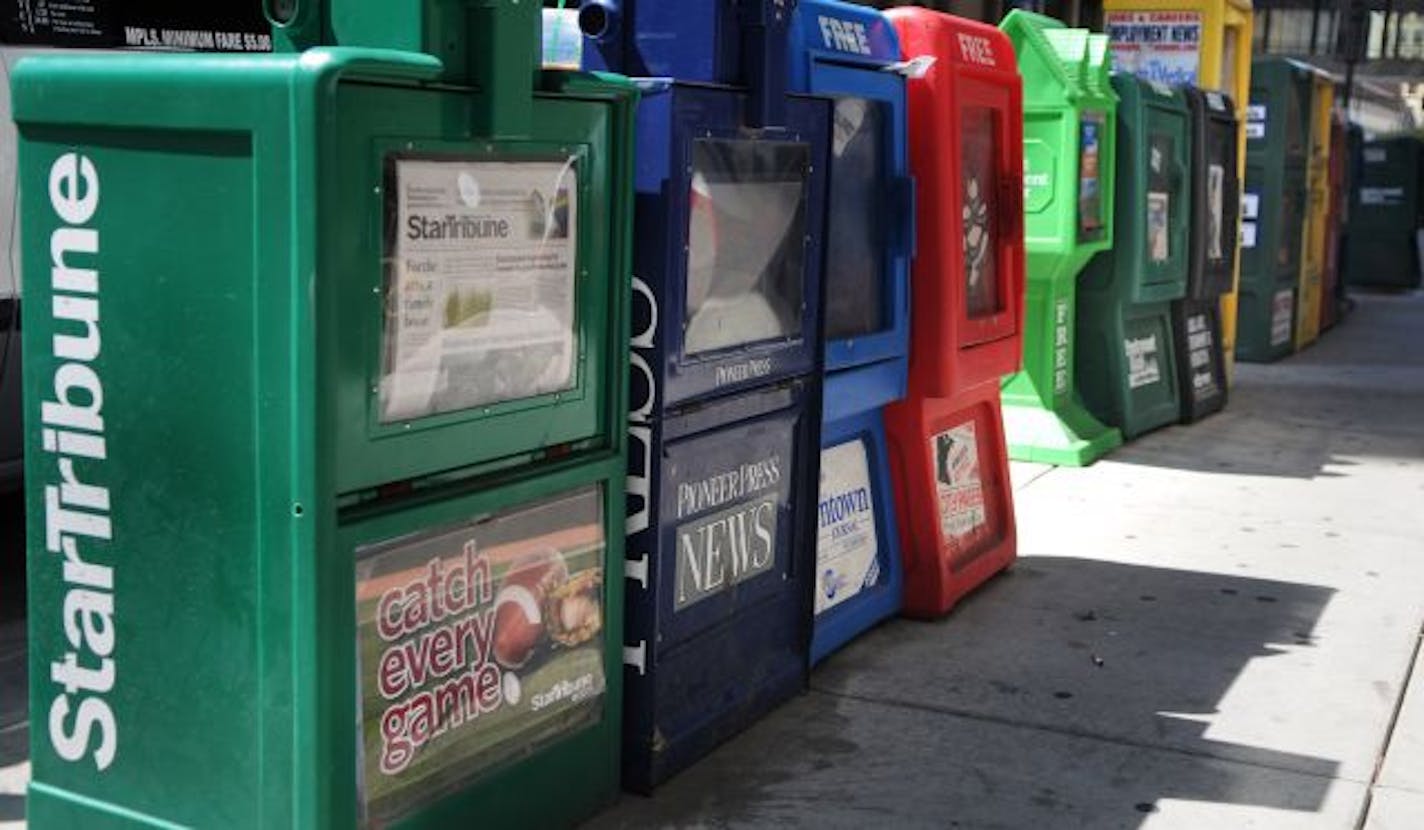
850,55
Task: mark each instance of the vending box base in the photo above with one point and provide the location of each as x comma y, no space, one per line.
1381,260
1127,372
953,496
1201,366
859,574
722,504
1266,321
1045,421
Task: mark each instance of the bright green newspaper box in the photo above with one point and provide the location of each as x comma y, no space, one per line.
1070,116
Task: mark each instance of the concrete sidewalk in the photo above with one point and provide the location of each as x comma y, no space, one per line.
1213,629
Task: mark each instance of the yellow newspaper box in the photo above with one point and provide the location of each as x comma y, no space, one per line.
1317,212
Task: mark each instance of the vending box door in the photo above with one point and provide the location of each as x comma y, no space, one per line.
870,217
721,544
1216,195
1167,193
1201,365
953,496
474,306
487,631
729,246
990,208
858,576
967,154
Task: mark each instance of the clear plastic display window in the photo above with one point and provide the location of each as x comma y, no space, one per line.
1091,135
855,250
746,243
480,283
979,178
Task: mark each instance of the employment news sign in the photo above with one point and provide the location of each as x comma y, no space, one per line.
1161,46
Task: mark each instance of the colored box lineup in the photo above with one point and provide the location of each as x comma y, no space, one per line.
487,626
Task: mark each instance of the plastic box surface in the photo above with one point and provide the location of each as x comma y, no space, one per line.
1070,115
841,51
1126,363
1385,209
947,445
1273,208
241,538
1214,53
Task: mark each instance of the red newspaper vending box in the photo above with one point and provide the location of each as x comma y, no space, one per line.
948,456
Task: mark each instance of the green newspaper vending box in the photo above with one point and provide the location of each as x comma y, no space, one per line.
1126,366
1070,114
1273,208
1386,205
325,390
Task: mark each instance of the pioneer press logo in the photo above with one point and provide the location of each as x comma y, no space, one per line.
77,524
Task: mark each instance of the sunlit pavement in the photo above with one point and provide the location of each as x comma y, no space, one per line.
1213,629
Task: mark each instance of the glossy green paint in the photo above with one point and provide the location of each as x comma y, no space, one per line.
1126,365
238,249
1065,74
1277,152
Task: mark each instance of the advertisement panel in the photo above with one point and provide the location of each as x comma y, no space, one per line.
957,484
1161,46
475,645
846,543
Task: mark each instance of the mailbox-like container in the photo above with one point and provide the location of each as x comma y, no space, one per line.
1385,214
325,367
947,438
726,390
1125,362
1069,130
1317,186
848,53
1273,208
1215,206
1206,43
1338,196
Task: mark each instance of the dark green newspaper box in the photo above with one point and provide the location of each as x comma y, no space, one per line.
325,370
1273,208
1127,369
1385,214
1070,114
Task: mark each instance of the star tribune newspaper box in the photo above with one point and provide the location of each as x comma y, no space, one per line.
1127,370
326,366
1069,129
727,353
849,54
947,438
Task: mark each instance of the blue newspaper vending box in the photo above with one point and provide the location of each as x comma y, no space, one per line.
727,349
842,52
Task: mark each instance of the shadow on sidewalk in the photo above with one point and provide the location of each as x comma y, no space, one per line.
1068,692
1356,392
